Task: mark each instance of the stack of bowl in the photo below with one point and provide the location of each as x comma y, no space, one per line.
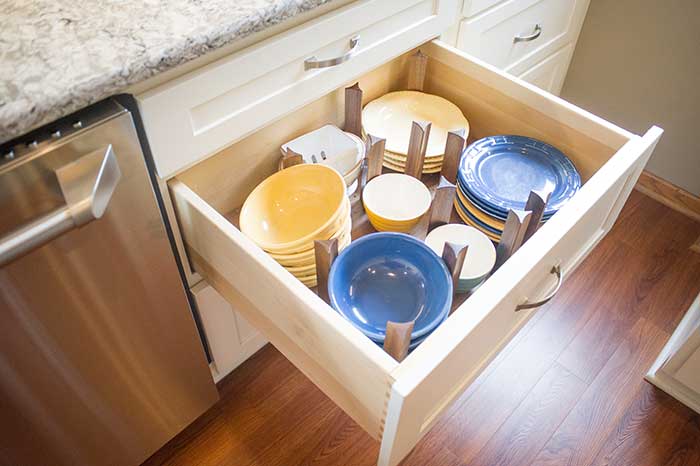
497,173
395,202
481,254
291,209
392,115
384,277
331,146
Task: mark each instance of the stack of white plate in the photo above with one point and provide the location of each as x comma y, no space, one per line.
392,115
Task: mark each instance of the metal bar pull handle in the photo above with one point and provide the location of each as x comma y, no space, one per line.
87,185
560,278
313,62
530,37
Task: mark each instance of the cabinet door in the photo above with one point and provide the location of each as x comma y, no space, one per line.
231,339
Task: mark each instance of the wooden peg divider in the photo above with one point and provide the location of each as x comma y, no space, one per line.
536,203
325,252
417,146
441,207
289,159
513,234
398,339
417,64
373,160
454,255
453,153
353,110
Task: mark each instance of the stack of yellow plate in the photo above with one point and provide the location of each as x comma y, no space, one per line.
291,209
392,115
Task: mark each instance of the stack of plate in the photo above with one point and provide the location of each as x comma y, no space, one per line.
395,202
497,173
291,209
392,115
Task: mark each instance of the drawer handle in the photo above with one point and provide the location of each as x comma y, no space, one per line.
313,62
560,278
530,37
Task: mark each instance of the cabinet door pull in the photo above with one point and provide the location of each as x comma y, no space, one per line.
560,278
530,37
313,62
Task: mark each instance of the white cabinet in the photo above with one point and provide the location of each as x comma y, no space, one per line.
231,339
533,39
677,369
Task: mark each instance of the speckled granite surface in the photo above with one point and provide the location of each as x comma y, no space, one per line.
57,56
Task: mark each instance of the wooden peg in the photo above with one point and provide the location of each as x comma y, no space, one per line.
398,339
513,234
441,207
289,159
453,153
454,255
375,156
417,146
536,203
417,64
325,252
353,110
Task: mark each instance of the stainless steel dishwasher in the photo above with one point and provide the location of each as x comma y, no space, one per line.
100,360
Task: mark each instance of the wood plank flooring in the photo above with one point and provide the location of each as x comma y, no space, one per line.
568,390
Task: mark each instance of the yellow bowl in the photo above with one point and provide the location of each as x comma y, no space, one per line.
307,253
395,198
294,207
376,220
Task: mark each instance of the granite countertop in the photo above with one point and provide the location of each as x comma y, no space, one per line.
58,56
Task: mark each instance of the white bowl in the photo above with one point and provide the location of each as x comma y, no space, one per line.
329,145
391,117
395,197
481,254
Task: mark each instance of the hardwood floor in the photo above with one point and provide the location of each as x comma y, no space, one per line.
568,390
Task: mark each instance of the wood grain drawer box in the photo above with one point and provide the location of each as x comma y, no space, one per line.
490,36
395,402
193,117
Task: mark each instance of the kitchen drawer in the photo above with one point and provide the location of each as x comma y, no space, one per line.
473,7
491,36
198,114
549,74
398,402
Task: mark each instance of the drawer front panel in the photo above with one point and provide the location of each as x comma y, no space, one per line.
549,74
491,36
209,109
473,7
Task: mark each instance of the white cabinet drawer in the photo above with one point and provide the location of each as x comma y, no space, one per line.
491,36
398,402
472,7
549,74
204,111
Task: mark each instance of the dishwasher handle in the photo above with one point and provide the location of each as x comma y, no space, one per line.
87,185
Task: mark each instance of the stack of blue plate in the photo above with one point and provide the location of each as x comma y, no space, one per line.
497,173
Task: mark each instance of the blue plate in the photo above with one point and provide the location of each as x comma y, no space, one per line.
476,221
390,277
485,208
501,171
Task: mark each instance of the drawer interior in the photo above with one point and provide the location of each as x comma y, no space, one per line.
345,364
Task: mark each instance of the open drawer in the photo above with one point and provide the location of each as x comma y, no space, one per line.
398,402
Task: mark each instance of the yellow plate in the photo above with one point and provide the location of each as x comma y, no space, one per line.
402,157
388,164
391,117
293,207
467,221
402,163
490,221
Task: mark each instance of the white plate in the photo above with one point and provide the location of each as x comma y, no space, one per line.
392,115
481,254
396,197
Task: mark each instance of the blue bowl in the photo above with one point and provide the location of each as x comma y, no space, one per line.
390,277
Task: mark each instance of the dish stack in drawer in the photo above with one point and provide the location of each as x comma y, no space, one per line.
531,39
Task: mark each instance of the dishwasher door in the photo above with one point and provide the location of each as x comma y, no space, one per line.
100,360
